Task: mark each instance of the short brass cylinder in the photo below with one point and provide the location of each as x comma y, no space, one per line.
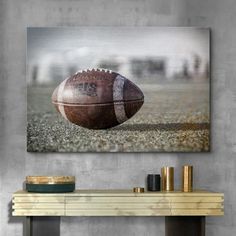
138,190
187,178
167,178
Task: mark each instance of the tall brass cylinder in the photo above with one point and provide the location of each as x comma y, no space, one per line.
187,179
167,178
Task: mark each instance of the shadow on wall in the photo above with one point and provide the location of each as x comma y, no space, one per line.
15,219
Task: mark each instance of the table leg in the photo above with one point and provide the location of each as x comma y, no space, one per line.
185,226
42,226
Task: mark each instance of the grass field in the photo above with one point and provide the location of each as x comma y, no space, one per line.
174,118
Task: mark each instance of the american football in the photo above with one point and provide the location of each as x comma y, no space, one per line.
97,99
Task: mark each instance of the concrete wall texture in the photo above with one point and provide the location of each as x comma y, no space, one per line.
214,171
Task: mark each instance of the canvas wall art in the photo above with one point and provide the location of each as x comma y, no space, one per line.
118,89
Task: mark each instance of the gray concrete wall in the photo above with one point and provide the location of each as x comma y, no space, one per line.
215,170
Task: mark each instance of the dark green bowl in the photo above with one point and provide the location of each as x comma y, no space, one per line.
50,188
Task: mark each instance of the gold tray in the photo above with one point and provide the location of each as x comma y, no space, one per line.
50,179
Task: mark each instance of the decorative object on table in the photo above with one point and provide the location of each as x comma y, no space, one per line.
167,178
138,190
50,184
153,182
174,77
187,178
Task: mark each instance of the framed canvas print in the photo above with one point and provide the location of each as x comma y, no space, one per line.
118,89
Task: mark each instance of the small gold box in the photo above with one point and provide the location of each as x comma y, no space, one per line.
138,190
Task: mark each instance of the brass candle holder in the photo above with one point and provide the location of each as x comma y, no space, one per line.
167,178
187,179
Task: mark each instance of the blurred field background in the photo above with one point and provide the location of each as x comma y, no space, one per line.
170,65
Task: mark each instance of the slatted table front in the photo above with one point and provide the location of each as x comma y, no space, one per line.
192,206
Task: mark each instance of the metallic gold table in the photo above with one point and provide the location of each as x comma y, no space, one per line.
184,212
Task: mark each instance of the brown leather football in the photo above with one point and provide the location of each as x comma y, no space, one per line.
97,99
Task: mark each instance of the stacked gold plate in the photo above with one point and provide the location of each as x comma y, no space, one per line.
50,184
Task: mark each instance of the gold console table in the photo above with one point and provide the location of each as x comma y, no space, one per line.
185,212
